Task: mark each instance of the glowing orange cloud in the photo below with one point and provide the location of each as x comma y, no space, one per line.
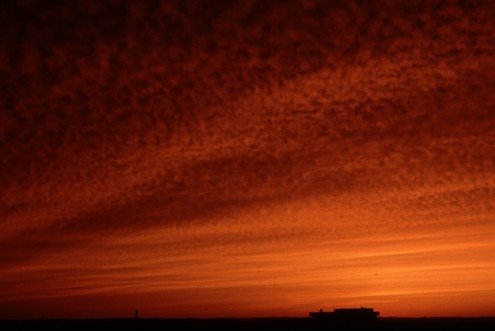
246,159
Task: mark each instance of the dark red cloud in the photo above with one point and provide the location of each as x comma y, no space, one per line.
125,116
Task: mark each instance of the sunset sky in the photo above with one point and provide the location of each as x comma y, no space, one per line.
246,158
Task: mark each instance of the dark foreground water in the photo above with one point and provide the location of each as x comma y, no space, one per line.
296,324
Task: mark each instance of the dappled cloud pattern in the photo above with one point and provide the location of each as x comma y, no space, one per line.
247,158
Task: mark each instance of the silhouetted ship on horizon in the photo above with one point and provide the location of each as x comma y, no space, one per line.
346,315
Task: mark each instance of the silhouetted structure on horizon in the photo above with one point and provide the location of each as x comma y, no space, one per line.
359,315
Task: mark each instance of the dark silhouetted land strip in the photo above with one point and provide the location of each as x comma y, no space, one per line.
296,324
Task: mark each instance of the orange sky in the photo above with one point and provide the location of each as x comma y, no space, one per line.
210,159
